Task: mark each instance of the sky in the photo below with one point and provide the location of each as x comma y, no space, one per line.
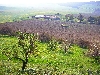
35,2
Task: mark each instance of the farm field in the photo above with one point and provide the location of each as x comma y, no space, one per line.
62,40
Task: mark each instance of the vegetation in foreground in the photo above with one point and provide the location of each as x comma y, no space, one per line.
47,59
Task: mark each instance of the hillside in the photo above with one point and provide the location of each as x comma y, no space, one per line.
11,14
46,60
84,6
71,31
69,46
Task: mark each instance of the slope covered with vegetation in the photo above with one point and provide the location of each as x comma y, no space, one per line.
55,48
47,60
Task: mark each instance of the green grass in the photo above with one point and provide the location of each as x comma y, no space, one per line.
73,62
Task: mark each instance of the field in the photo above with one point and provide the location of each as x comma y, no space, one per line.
47,61
48,47
75,60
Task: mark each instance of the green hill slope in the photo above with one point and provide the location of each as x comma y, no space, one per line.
47,61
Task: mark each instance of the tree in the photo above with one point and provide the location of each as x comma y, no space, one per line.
52,45
98,20
58,14
80,18
69,17
66,45
25,46
91,20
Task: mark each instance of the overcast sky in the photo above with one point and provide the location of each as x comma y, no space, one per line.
33,2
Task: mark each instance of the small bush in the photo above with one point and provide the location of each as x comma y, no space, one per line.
83,43
52,45
7,31
44,37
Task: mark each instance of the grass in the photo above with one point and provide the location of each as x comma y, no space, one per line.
45,61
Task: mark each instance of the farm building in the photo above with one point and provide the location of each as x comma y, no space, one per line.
48,17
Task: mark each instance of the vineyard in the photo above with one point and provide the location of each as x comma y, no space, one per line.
59,48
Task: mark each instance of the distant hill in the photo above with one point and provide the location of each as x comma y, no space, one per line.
79,4
70,7
83,6
3,7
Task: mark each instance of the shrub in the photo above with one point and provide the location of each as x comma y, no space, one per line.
44,37
83,43
6,31
52,45
21,50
